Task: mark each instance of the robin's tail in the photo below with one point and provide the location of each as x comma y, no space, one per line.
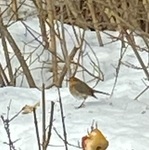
101,92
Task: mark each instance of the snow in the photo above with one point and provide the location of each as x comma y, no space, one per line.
123,120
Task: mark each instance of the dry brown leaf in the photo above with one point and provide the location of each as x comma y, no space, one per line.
29,109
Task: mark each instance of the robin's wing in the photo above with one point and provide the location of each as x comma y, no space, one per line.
83,89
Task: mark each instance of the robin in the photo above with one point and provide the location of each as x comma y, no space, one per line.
81,90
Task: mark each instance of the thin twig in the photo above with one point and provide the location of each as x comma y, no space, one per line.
50,124
36,127
77,146
16,115
131,43
118,68
6,123
43,118
136,98
63,121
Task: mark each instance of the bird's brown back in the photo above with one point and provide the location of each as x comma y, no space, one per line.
80,86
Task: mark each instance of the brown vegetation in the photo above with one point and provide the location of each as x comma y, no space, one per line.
121,15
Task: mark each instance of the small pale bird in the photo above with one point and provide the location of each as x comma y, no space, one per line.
81,90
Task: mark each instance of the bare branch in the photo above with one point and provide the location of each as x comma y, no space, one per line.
36,127
63,121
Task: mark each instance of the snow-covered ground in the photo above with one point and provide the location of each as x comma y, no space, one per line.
123,120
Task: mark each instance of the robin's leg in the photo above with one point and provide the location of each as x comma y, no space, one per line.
81,105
